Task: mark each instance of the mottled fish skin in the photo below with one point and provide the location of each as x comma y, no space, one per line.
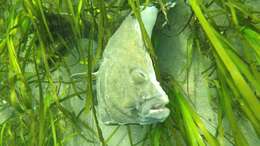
127,89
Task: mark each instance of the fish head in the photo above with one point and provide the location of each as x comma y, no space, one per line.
127,89
130,92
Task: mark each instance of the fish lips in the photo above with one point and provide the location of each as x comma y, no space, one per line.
154,109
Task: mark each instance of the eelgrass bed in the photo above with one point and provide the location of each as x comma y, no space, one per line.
47,59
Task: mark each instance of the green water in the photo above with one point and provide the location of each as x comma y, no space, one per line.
48,50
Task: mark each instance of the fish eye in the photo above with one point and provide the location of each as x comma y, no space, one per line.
138,76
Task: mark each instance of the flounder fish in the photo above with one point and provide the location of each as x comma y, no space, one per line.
127,89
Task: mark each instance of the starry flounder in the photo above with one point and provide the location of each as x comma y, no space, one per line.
127,89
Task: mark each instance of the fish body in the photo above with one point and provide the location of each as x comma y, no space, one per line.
127,89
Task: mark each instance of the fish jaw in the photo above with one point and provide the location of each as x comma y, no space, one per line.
154,110
155,116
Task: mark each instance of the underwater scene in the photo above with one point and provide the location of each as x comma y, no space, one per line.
129,72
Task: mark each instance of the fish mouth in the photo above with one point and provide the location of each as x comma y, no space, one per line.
154,109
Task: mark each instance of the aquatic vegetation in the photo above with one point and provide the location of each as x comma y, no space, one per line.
46,46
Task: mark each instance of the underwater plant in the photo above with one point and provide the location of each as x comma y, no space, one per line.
204,53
